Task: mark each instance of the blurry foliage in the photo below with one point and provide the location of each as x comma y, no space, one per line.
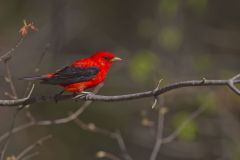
236,153
170,38
202,63
189,132
208,101
198,6
142,65
169,6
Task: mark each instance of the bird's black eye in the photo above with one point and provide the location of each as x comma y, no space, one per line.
106,58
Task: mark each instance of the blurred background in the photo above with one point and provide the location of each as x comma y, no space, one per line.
173,40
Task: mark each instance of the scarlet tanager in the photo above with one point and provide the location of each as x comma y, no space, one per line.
81,74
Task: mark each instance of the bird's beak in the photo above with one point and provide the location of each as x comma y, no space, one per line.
116,59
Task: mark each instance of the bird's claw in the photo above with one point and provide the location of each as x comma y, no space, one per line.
57,96
83,94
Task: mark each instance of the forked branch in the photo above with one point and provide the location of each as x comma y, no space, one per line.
153,93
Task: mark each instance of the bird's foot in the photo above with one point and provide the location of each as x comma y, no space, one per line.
82,94
57,96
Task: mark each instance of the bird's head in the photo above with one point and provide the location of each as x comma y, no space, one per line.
105,58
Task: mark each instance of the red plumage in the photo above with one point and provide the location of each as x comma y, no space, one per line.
81,74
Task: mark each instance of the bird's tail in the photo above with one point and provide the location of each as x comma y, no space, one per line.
32,78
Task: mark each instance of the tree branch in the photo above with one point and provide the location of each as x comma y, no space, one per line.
159,134
114,135
193,83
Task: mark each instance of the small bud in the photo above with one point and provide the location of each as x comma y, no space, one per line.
163,110
36,70
100,154
11,158
27,27
91,126
146,122
6,79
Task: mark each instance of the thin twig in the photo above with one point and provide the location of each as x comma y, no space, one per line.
72,116
67,119
30,156
172,136
16,129
37,67
115,135
122,145
9,80
31,147
93,128
6,56
5,146
36,70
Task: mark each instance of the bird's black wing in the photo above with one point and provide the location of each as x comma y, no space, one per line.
69,75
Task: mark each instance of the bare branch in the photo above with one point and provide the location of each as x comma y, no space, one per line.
115,135
160,140
65,119
30,156
16,129
159,134
33,122
71,117
17,101
44,51
232,85
9,136
92,97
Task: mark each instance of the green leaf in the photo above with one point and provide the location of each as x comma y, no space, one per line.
236,152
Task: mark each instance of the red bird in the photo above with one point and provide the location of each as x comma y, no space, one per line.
81,74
